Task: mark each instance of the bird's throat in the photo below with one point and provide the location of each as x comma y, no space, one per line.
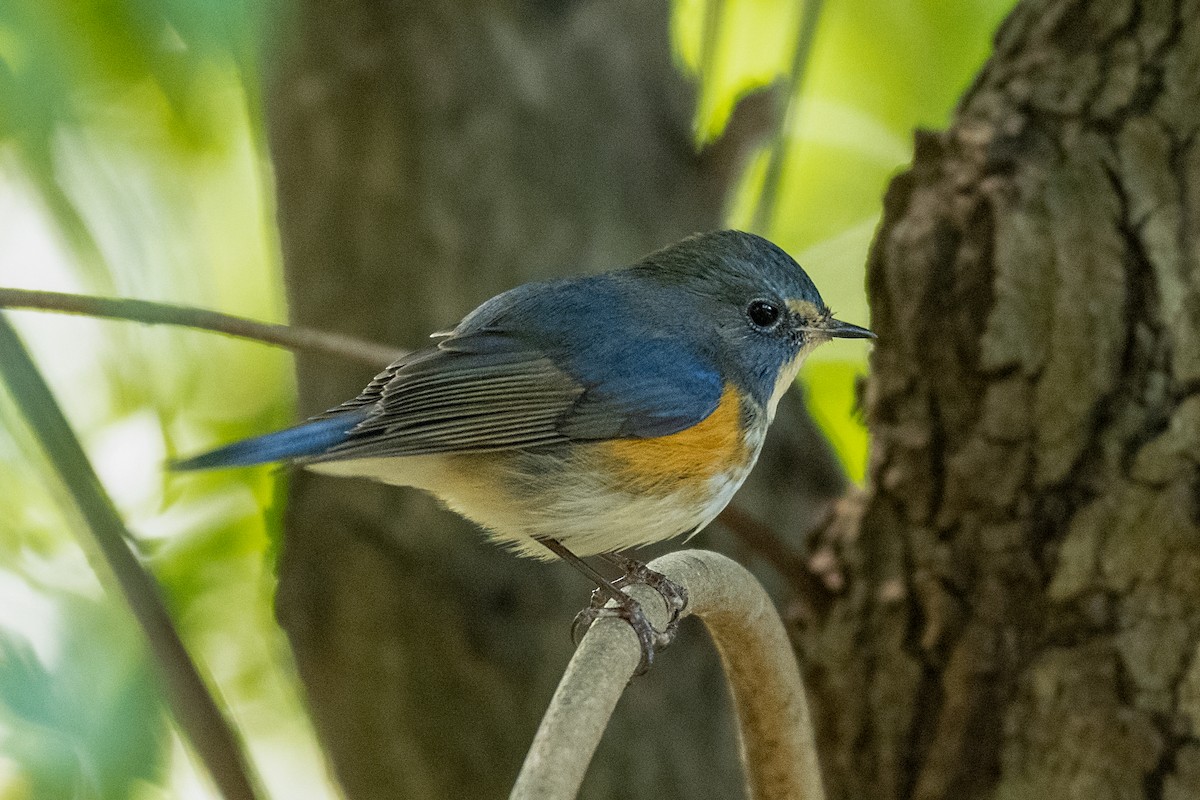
785,378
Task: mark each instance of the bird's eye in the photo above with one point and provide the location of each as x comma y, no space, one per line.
763,313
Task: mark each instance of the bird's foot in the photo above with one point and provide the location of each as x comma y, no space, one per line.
638,574
625,607
650,638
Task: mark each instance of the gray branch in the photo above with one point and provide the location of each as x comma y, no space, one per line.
292,337
776,732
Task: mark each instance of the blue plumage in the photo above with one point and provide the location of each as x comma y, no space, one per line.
305,440
654,379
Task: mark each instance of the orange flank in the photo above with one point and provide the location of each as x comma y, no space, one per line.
687,458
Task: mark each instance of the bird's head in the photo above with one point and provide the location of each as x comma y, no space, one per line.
753,304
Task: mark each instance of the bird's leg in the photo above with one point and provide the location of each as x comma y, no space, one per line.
626,607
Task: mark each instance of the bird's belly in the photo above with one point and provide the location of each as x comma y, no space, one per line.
585,495
590,509
594,497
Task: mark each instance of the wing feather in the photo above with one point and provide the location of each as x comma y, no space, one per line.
527,369
455,401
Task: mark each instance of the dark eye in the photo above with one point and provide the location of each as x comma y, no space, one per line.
763,313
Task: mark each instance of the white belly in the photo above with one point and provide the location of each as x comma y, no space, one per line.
520,499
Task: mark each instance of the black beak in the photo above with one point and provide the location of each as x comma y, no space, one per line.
844,330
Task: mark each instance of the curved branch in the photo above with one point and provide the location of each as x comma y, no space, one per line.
776,733
291,337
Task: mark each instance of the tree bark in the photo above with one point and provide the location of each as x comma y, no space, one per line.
1022,616
429,155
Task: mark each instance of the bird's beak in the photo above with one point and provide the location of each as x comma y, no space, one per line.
844,330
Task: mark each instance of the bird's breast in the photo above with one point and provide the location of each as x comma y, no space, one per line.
688,459
597,496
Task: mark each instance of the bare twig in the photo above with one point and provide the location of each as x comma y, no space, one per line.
289,336
192,707
776,733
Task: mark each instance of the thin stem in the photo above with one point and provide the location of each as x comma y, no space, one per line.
289,336
192,707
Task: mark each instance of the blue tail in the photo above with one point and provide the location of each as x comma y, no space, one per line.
307,439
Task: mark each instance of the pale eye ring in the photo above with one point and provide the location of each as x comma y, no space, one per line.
763,313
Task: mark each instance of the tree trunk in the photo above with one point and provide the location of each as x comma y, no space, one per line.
1022,615
428,156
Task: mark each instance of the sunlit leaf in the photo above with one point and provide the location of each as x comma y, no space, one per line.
876,72
832,401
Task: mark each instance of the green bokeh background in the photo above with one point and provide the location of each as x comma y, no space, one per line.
132,163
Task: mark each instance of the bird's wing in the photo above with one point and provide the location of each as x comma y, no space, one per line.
488,389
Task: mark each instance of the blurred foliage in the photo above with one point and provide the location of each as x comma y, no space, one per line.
92,725
875,72
64,66
132,163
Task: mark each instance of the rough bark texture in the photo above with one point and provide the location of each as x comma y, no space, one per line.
430,155
1022,616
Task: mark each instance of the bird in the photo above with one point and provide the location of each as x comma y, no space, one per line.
589,415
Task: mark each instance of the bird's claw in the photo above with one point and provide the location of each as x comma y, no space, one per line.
651,639
638,574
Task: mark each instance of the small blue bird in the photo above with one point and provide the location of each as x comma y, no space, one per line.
588,415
